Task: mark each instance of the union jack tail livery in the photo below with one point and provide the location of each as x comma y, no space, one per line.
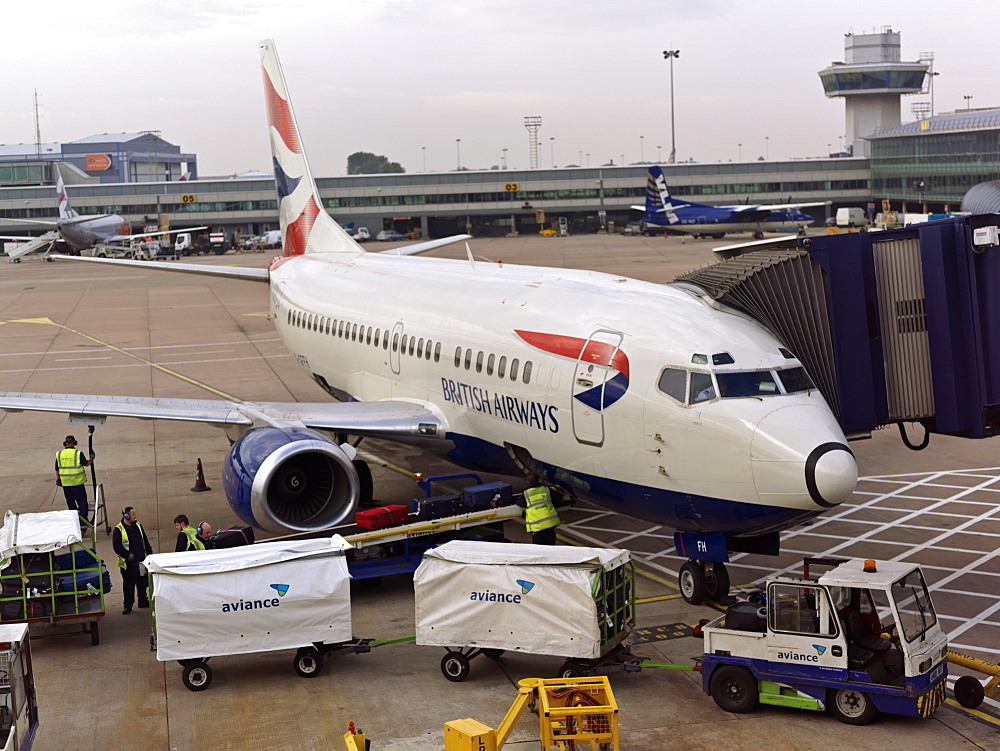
305,225
65,210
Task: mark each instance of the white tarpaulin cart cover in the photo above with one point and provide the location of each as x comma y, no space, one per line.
526,598
37,533
256,598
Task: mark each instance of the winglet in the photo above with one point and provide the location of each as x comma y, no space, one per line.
305,225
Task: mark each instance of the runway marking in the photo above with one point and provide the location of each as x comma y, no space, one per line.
138,349
143,362
119,350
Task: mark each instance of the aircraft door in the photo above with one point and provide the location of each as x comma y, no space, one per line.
395,339
592,369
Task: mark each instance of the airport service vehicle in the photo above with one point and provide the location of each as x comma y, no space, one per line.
651,400
18,702
388,234
271,239
860,639
361,235
698,219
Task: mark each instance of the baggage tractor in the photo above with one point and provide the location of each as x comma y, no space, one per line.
487,495
743,617
383,516
436,506
232,538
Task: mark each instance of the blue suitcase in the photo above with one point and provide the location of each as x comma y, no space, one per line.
487,495
94,579
436,506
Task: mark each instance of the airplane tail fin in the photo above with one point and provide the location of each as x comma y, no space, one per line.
305,225
65,210
657,196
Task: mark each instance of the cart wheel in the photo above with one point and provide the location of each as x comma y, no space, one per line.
308,662
492,653
455,666
95,634
734,689
572,669
969,692
850,706
693,584
197,677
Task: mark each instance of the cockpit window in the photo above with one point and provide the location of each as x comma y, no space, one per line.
699,359
722,358
786,354
750,383
702,388
795,379
673,382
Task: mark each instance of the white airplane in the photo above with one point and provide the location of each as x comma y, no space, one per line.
75,231
651,400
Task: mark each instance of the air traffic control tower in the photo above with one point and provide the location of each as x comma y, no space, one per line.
871,81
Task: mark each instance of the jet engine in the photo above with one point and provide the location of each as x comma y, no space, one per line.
287,479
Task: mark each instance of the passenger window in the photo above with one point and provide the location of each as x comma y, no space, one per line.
420,347
513,369
526,375
673,383
368,336
413,342
395,342
437,352
702,388
340,329
458,356
489,364
502,367
402,346
479,363
468,359
327,331
334,327
385,339
378,336
354,333
427,350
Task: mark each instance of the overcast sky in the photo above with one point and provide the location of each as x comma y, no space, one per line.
393,76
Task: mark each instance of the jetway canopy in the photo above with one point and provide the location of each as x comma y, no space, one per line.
895,326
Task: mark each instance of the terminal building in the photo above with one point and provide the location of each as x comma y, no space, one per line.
926,165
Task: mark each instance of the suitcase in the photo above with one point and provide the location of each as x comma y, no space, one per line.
83,557
67,584
743,617
487,495
383,516
436,507
39,608
232,538
11,611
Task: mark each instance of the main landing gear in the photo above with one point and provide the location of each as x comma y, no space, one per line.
703,580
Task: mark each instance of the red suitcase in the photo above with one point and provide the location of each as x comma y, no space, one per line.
383,516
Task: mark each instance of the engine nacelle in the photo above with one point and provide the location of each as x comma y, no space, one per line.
290,480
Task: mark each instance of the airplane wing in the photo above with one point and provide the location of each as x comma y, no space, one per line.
138,235
230,272
30,221
386,419
35,244
412,250
740,208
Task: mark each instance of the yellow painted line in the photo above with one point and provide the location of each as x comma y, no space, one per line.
121,351
974,712
257,315
660,598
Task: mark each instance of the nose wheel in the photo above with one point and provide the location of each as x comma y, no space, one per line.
701,580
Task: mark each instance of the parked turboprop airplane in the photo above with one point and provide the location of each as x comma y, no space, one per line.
78,232
715,221
648,399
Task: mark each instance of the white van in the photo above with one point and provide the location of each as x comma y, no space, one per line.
361,234
271,239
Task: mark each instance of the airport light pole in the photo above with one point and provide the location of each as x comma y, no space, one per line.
670,55
658,157
552,150
642,151
503,158
767,147
968,99
740,147
423,154
458,152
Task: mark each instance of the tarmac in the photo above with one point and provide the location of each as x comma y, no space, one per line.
86,329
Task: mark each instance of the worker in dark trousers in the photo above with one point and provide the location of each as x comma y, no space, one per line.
71,474
132,546
540,515
187,536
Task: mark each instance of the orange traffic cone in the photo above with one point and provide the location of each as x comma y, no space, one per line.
199,483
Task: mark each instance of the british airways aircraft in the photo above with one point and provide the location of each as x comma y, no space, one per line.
78,232
700,219
650,400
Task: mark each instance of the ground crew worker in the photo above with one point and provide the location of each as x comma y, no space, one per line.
71,474
187,536
205,535
132,546
540,515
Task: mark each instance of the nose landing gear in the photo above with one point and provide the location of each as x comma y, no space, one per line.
701,580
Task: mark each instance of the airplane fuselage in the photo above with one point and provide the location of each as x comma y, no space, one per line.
696,219
568,368
84,232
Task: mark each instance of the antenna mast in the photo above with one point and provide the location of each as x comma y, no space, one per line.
38,129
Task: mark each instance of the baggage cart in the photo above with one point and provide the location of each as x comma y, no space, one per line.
50,573
18,703
477,598
255,598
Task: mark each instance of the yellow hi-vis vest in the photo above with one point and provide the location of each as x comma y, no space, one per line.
124,534
539,513
194,542
71,469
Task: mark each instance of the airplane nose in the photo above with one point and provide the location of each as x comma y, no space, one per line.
800,459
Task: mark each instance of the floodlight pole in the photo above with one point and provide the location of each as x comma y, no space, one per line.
670,55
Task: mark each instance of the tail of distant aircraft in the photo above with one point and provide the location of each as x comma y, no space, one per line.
65,211
658,199
305,225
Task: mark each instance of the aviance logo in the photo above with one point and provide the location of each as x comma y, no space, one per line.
796,657
489,596
270,602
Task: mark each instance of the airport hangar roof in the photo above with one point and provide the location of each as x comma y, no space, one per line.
950,122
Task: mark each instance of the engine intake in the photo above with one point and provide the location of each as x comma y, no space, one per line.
290,480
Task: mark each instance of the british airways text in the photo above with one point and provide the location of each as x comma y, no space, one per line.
533,414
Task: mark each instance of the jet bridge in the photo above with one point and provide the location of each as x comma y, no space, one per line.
896,326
